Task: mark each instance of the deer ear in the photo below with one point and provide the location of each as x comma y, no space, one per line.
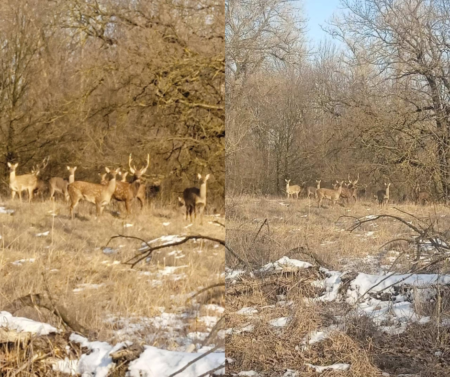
68,167
75,168
199,176
107,169
9,164
207,177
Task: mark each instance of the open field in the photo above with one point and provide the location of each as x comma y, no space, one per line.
319,306
44,252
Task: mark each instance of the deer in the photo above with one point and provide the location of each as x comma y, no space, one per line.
421,197
329,194
95,193
59,185
137,175
103,180
383,195
28,182
313,190
292,190
194,197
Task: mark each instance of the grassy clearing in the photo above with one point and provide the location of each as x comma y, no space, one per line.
254,344
42,250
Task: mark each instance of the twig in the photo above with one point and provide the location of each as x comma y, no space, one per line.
212,370
204,290
203,355
259,230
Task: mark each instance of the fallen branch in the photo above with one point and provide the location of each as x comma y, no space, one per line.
41,300
148,252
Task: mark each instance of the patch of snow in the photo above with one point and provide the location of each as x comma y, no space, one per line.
25,325
321,369
22,261
247,311
108,250
166,224
280,322
44,234
156,362
87,286
6,211
285,263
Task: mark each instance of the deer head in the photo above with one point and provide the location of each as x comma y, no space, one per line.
138,172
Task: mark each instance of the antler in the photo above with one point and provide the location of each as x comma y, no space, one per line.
148,163
132,169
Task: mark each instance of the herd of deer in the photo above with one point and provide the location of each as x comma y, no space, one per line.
101,194
348,192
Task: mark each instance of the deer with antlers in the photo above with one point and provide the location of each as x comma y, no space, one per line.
28,182
332,195
350,191
194,198
92,192
59,185
127,192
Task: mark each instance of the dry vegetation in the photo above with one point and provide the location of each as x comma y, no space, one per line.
146,304
262,230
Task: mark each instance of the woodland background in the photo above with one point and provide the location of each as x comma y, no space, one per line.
377,102
87,82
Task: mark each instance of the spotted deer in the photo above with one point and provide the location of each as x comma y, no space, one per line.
292,190
383,195
194,198
59,185
28,182
95,193
332,195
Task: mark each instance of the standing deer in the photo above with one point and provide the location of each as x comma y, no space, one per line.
194,197
292,190
329,194
92,192
383,195
421,197
28,182
137,175
313,190
59,185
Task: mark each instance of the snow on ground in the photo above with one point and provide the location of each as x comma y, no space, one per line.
43,234
173,329
389,300
321,369
6,211
82,287
22,261
20,324
97,362
285,263
279,322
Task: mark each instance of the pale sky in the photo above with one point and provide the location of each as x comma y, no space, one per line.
317,12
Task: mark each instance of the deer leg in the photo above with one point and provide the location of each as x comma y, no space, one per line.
128,207
20,195
13,194
73,204
30,195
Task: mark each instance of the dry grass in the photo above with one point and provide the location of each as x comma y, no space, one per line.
299,223
105,295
